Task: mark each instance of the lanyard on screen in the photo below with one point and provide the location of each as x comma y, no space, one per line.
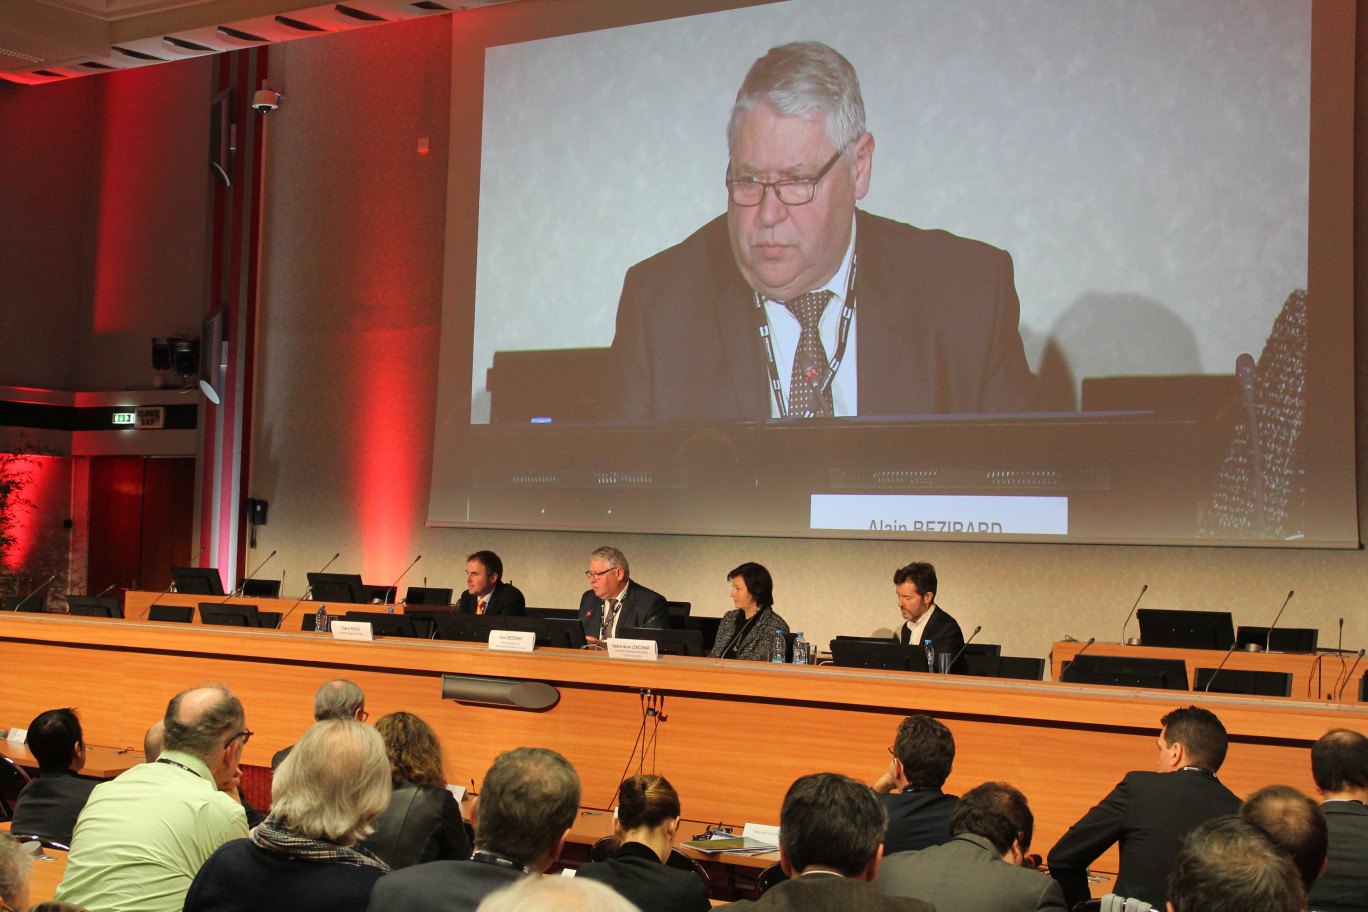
843,336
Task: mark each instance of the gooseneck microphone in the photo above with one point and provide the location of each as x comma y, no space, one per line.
26,598
965,646
1269,638
1091,640
1143,590
163,593
243,582
1350,676
116,585
307,590
1224,659
1244,370
394,589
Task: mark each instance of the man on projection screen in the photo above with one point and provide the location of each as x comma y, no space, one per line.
794,304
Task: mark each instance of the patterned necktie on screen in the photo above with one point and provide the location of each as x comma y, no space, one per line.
479,609
609,618
810,361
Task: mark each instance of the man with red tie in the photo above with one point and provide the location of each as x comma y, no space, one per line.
486,592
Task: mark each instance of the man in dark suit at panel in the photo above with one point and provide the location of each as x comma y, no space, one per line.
979,870
527,804
486,592
614,602
923,619
1150,813
793,304
830,830
1339,764
49,805
918,812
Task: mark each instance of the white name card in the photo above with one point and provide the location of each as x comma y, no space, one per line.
457,790
762,832
639,650
17,735
513,640
351,630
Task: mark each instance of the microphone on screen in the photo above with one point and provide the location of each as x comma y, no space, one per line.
252,575
1226,658
26,598
163,593
394,589
1268,638
1091,640
1350,676
1143,590
965,646
280,624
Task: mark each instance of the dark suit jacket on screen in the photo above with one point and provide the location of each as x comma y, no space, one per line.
936,330
918,818
440,886
966,874
49,805
1344,885
944,632
636,873
821,892
1148,814
641,607
506,599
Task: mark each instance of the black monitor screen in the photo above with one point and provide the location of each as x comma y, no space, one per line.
1126,671
1243,681
668,642
861,652
339,587
229,615
197,580
1282,639
394,625
92,606
260,588
421,595
1186,629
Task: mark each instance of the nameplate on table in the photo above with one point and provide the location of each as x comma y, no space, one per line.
513,640
457,790
639,650
762,832
352,630
17,735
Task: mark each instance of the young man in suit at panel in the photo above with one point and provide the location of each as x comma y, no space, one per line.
614,601
486,592
910,791
1149,813
923,619
979,870
1339,764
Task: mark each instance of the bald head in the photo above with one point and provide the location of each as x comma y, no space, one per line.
201,721
152,741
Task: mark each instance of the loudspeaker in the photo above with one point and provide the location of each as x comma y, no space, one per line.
256,512
161,354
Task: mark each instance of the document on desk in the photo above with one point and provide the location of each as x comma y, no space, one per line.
736,845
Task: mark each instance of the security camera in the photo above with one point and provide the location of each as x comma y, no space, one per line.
265,101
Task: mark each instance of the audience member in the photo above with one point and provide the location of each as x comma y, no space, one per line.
1149,813
1339,766
1229,865
48,806
923,619
15,867
528,802
486,592
1294,824
830,832
423,819
613,600
53,906
556,894
338,699
152,741
144,835
644,830
747,631
979,870
918,812
303,858
152,748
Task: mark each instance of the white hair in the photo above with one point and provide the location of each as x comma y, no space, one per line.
335,780
556,894
805,79
15,866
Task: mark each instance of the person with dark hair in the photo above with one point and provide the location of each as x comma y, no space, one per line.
143,836
644,833
1339,766
1294,824
304,857
1229,865
422,821
1149,813
979,870
918,811
528,802
747,631
614,600
49,805
339,699
485,591
795,304
830,843
923,619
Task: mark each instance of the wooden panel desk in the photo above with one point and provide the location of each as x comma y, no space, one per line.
1314,677
732,735
101,762
46,873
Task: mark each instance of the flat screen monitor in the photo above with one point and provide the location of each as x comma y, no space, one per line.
1186,629
869,652
707,626
1126,671
339,587
1282,639
668,642
1021,668
421,595
464,628
552,633
176,614
260,588
197,580
678,610
982,649
1243,681
394,625
93,606
230,615
565,614
33,602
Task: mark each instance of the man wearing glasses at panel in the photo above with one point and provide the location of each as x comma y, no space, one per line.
794,304
614,602
142,836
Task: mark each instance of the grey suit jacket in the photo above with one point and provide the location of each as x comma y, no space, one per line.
1344,885
966,874
825,893
440,886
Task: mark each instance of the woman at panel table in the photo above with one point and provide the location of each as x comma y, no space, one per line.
748,631
644,833
423,820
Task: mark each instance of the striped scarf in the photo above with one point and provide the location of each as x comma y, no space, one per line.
274,838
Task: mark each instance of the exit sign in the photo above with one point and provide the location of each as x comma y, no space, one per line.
125,417
152,416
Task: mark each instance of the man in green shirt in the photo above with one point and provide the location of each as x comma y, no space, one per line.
142,837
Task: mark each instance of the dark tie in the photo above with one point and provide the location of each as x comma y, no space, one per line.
609,618
810,362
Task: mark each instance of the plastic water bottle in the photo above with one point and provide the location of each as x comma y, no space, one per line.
800,649
777,650
321,619
930,655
